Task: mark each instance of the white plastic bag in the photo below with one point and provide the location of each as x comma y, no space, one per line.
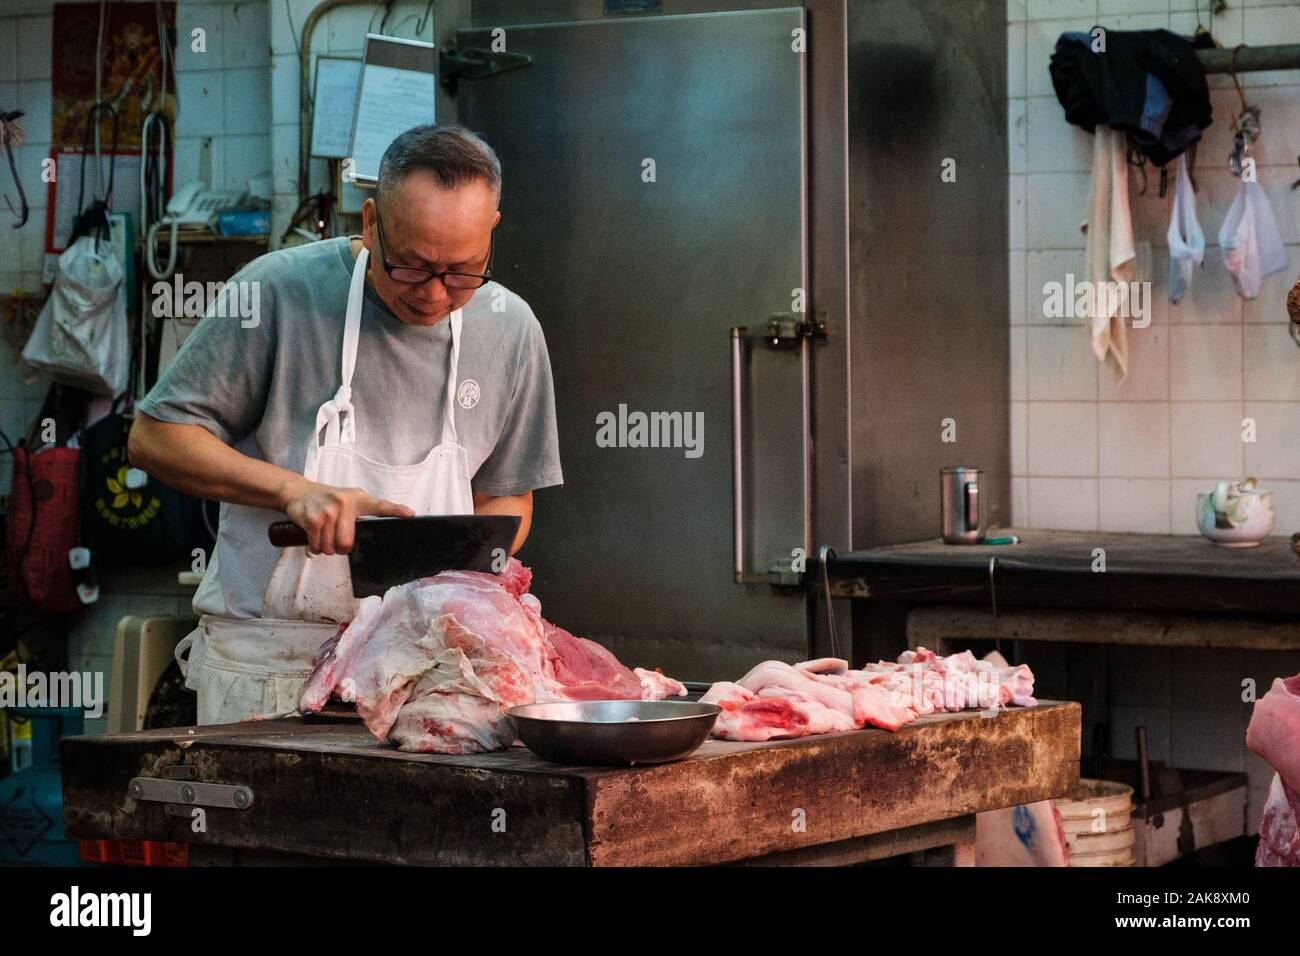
1249,240
1186,240
81,336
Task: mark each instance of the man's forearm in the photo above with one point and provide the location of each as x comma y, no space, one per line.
196,462
521,505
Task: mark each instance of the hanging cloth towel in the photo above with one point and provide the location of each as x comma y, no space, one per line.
1110,254
1249,240
1186,240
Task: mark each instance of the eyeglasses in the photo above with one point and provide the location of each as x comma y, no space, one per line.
411,275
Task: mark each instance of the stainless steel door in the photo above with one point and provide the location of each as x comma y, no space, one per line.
655,198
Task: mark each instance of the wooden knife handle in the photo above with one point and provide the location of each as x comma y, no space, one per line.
286,534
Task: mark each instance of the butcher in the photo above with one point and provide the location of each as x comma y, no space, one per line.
384,374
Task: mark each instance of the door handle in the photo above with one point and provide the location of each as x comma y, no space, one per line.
784,331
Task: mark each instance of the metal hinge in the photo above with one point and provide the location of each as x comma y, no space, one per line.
179,786
475,63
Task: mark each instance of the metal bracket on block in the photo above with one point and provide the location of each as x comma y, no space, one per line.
181,788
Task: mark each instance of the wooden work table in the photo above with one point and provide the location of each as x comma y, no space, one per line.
329,790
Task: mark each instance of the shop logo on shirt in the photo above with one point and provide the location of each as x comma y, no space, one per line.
468,394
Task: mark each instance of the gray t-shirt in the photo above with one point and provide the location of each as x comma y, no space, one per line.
258,389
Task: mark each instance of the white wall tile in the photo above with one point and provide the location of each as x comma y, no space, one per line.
346,28
1286,505
1135,505
1047,9
1017,11
199,16
1053,145
1019,358
247,102
247,32
1205,362
1139,21
1276,451
1148,368
1019,451
201,106
284,85
10,253
1017,136
1016,211
1054,210
1272,363
1015,60
1109,8
1205,439
1016,279
1065,504
8,54
245,157
1062,439
1133,440
1020,502
34,97
1060,364
1211,297
1043,267
1284,203
35,58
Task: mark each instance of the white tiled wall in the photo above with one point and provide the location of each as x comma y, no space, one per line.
1090,452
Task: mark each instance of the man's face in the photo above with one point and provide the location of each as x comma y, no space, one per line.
429,227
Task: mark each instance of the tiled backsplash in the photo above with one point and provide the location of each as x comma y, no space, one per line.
1089,452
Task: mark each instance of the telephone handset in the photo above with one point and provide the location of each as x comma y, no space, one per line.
195,205
192,206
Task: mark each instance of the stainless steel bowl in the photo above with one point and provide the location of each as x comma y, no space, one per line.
614,732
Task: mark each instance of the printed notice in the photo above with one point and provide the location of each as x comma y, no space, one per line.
391,102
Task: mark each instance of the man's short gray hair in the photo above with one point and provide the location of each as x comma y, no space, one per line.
454,155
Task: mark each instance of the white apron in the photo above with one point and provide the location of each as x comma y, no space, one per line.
245,668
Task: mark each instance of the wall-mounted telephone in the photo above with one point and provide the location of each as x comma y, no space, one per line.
195,205
192,206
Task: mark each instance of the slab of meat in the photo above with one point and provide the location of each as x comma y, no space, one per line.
434,664
1274,734
778,700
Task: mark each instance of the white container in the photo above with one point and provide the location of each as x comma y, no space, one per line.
1098,822
1235,514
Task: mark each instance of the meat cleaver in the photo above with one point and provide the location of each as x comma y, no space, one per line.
392,551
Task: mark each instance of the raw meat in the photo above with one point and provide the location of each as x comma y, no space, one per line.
777,700
1274,734
434,664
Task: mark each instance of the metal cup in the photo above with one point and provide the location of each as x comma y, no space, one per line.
965,512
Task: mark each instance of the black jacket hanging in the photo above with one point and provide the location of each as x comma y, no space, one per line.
1148,83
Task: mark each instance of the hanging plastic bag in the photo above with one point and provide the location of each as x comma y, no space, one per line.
81,336
1186,240
1249,240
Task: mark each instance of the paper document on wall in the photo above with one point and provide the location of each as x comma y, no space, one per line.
391,102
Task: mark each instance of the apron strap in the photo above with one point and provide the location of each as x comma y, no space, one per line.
449,416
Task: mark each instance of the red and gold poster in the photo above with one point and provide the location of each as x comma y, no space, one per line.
130,71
